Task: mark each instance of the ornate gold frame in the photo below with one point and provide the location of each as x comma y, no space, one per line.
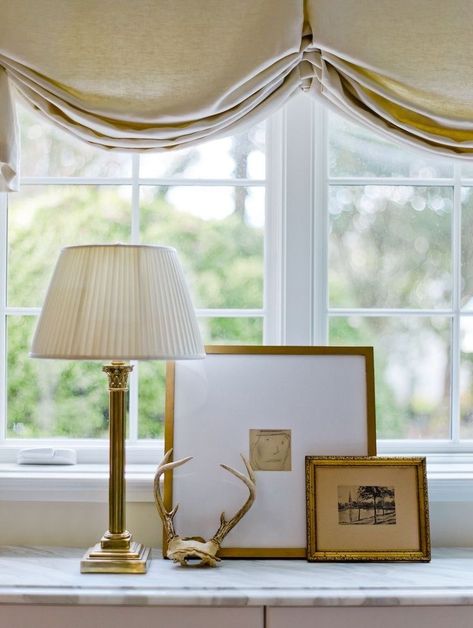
315,554
259,552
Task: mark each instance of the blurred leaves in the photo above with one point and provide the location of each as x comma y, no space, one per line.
223,258
412,370
390,247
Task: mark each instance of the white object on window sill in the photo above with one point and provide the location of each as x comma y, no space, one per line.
47,456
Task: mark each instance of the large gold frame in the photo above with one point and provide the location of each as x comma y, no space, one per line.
315,554
259,552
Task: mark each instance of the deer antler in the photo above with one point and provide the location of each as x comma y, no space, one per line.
167,516
184,550
226,526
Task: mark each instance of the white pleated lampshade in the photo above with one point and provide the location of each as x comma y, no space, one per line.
117,302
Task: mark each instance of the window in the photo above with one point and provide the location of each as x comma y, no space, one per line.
307,230
400,278
207,201
378,252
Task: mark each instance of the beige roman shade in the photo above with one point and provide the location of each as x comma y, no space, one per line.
9,157
402,66
151,74
156,75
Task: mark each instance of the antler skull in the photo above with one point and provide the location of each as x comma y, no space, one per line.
183,549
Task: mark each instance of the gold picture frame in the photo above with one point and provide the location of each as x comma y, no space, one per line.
219,407
367,509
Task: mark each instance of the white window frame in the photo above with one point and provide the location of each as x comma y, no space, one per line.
95,451
295,311
300,176
305,250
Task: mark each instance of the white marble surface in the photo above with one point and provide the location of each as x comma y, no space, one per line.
46,575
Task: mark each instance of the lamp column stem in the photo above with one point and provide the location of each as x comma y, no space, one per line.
116,489
116,552
117,536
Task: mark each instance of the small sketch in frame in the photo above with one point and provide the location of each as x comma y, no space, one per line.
367,508
270,450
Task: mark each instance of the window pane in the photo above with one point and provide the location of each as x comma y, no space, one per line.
467,169
239,157
47,151
390,246
218,233
412,366
43,219
467,248
232,331
152,374
151,398
356,151
52,398
466,377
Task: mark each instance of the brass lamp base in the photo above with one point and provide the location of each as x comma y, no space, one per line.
116,552
135,559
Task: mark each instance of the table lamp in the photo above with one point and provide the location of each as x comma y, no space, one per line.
117,302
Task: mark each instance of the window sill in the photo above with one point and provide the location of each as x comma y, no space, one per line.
75,483
450,479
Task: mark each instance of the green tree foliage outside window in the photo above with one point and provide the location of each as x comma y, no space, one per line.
222,257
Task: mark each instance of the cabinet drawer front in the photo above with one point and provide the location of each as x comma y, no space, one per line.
19,616
372,617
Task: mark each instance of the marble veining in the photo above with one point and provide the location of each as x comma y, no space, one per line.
47,575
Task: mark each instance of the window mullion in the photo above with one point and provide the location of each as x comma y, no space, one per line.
391,181
320,174
3,305
135,199
298,204
456,302
135,239
274,250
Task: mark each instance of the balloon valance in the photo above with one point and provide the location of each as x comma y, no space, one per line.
154,75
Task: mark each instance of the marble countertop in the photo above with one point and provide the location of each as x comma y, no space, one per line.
47,575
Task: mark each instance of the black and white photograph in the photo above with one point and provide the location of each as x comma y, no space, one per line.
371,508
366,505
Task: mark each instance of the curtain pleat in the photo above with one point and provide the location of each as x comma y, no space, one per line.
403,68
155,75
9,154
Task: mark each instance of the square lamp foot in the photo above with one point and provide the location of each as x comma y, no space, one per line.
136,559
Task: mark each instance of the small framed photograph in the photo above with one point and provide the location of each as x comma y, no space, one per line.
367,509
274,405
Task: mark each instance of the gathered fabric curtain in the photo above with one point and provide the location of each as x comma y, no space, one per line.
159,75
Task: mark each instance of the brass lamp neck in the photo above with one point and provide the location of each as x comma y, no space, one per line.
117,373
